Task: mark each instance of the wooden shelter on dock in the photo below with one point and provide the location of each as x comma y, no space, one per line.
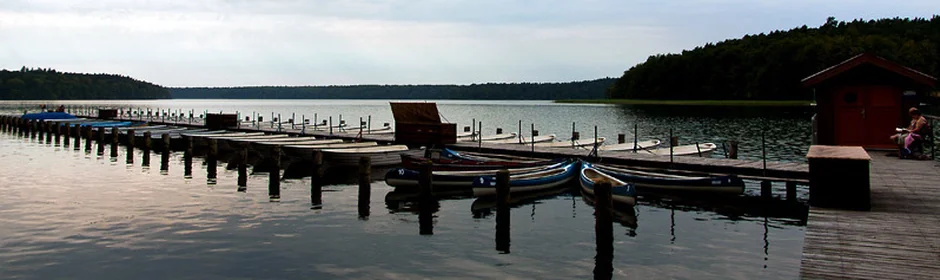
420,124
860,101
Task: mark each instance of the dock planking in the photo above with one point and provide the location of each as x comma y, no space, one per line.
898,239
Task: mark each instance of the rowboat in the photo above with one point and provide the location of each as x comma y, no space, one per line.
511,135
271,138
524,140
370,132
381,155
630,147
366,129
651,181
234,135
620,191
412,162
408,178
703,149
527,182
302,142
47,116
330,146
111,124
572,144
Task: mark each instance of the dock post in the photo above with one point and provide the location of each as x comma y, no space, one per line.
791,191
165,155
331,125
520,132
673,142
426,204
365,188
67,135
733,149
604,231
145,161
114,142
243,169
763,150
58,133
316,192
274,175
131,142
212,161
47,127
33,127
699,149
88,139
502,211
369,125
534,133
188,157
480,136
766,190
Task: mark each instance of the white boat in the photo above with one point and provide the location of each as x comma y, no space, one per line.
381,155
703,149
255,138
641,145
511,135
366,129
465,134
524,140
231,135
370,132
277,139
582,143
331,146
308,142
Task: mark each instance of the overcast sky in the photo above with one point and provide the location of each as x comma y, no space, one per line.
322,42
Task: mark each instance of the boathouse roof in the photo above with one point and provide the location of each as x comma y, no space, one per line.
868,59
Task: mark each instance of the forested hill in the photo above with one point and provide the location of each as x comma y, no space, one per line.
770,66
594,89
45,84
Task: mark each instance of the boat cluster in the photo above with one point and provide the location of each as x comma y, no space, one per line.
451,170
551,141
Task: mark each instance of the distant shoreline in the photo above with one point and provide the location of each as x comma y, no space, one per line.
769,103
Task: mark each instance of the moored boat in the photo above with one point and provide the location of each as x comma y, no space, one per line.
621,192
405,177
640,146
496,137
572,144
524,140
530,181
651,181
330,146
703,149
380,155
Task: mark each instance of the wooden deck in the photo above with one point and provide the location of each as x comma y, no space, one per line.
898,239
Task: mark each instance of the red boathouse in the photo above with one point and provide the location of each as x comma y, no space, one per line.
860,101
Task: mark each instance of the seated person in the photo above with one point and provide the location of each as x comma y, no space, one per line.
913,134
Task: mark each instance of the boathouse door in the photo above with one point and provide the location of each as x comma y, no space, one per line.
866,116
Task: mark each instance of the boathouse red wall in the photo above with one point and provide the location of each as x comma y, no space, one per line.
860,101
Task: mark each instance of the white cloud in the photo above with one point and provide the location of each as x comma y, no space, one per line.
241,42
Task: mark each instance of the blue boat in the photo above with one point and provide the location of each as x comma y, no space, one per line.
660,182
528,182
48,116
621,192
408,178
111,124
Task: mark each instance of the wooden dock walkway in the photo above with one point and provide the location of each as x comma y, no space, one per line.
898,239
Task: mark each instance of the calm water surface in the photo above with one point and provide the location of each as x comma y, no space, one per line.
70,214
787,131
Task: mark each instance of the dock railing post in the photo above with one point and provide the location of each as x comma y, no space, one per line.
369,125
763,150
480,138
365,187
533,134
473,129
502,211
520,132
672,144
636,137
331,125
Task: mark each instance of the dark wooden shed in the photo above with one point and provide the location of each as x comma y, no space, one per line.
860,101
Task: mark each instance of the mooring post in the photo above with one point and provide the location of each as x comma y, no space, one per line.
766,190
699,149
369,125
672,144
480,137
243,169
88,139
733,149
533,133
763,150
274,175
131,142
603,230
791,191
316,194
114,142
425,181
33,128
502,211
520,132
331,125
188,157
212,161
47,128
365,188
165,155
636,136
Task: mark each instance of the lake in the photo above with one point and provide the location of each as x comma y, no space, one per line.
71,214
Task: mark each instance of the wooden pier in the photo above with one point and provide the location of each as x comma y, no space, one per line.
898,239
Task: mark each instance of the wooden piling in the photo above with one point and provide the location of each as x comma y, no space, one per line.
58,133
48,128
243,169
212,161
188,157
66,134
88,138
165,153
99,139
166,142
130,138
427,204
114,142
32,129
425,181
145,155
316,185
766,190
274,175
604,231
365,188
791,191
733,149
502,211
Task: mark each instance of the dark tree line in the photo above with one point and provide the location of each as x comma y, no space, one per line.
49,84
494,91
770,66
